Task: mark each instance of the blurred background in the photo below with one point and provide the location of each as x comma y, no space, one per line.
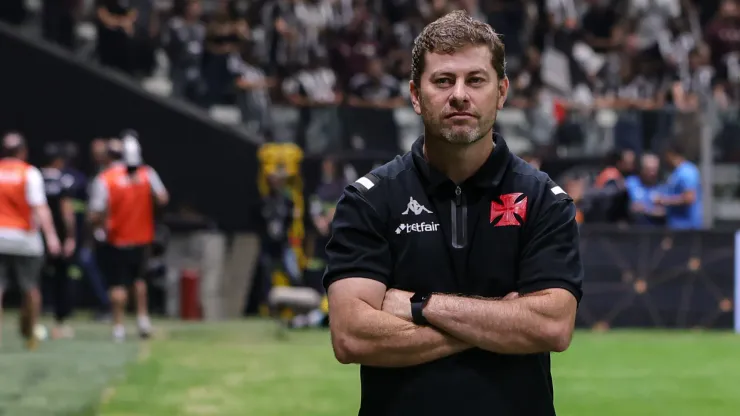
256,114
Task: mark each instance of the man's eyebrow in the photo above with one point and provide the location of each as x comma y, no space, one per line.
474,71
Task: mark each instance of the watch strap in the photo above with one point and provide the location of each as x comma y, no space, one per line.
418,302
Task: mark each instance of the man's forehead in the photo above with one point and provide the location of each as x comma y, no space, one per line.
470,58
650,160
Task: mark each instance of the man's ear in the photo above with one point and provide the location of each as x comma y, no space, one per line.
414,93
503,90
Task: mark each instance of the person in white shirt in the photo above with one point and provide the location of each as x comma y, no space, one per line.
23,211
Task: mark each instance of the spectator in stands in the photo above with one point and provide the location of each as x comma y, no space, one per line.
682,193
315,90
638,90
59,21
225,34
642,191
357,44
253,95
649,19
723,36
183,41
601,28
508,17
146,37
676,43
691,93
281,35
313,18
116,21
375,88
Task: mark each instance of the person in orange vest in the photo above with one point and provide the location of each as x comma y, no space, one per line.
122,203
619,164
23,210
610,202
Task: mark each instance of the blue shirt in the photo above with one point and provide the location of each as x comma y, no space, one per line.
644,195
683,179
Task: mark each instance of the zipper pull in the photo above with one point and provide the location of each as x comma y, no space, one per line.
458,196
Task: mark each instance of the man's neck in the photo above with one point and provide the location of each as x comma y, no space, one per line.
458,162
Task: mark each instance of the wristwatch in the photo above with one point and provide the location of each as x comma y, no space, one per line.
418,302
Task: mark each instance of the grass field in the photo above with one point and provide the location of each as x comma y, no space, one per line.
243,368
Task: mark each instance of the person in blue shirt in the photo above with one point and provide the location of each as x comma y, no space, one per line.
681,195
642,190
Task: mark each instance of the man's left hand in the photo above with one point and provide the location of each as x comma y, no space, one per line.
398,303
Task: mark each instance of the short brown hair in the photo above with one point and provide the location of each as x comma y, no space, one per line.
451,33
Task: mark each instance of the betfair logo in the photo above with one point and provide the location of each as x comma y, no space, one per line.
419,227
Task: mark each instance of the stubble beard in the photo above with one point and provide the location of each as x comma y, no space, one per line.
435,126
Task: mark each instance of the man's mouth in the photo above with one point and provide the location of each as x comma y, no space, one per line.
460,115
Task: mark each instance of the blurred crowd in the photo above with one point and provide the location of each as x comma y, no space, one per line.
663,57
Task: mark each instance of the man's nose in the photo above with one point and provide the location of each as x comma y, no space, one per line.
459,96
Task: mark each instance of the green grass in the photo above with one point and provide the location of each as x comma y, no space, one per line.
60,378
243,368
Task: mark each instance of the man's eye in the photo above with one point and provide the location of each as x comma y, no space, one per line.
443,81
475,80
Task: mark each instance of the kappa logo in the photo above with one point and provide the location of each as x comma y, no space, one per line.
510,212
419,227
415,207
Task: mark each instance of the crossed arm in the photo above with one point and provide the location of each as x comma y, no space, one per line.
362,333
372,326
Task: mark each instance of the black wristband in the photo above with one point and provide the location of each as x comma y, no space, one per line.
418,302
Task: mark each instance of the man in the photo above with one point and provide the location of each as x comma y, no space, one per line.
619,163
101,149
642,190
681,195
454,271
322,206
23,210
58,187
608,202
103,152
276,214
116,24
122,213
183,40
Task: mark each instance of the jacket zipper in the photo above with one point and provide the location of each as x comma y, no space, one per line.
459,220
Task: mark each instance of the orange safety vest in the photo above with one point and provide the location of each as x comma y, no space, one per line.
130,217
15,212
607,175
